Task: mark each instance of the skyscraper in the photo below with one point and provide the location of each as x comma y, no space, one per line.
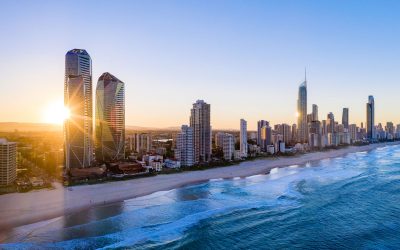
266,137
314,112
302,134
8,162
110,119
243,138
330,123
345,118
370,125
184,146
260,124
286,132
200,122
78,132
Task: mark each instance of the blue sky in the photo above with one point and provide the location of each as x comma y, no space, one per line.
245,58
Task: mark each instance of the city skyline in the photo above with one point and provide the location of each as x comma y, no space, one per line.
158,66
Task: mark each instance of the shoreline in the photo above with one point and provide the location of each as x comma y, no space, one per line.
19,209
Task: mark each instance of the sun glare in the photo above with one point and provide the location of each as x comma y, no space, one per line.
56,113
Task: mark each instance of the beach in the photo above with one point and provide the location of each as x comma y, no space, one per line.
19,209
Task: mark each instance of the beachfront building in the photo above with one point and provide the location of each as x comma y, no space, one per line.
370,126
8,162
330,123
78,131
286,132
110,119
228,147
243,138
302,131
390,133
345,118
353,133
260,125
200,122
184,151
219,139
266,137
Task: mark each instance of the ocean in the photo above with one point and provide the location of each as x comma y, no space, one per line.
350,202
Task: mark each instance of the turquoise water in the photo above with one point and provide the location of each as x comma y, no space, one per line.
349,202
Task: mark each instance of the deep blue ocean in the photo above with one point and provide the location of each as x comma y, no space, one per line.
352,202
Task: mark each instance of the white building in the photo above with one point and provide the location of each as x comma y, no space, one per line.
184,151
8,162
228,146
243,138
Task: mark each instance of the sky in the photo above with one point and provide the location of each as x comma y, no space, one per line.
245,58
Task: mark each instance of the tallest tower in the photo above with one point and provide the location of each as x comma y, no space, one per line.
370,118
302,131
78,99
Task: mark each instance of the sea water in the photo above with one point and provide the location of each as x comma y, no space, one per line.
348,202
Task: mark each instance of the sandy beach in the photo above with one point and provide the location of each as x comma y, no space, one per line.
25,208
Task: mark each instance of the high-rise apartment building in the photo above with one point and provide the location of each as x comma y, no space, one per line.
243,138
370,121
228,146
314,112
286,132
78,129
8,162
302,130
184,151
330,123
219,139
260,124
345,118
200,122
266,137
110,119
353,133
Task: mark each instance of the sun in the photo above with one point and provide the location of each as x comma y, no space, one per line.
56,113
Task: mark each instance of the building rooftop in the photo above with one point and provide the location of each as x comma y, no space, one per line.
108,76
78,51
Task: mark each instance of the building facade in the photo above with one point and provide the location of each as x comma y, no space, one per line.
200,122
184,151
228,146
345,118
243,138
260,124
78,129
370,112
8,162
110,119
302,135
141,142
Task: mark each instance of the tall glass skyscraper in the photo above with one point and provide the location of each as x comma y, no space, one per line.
200,122
370,118
110,119
302,129
78,132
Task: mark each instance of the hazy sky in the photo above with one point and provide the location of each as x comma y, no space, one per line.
245,58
